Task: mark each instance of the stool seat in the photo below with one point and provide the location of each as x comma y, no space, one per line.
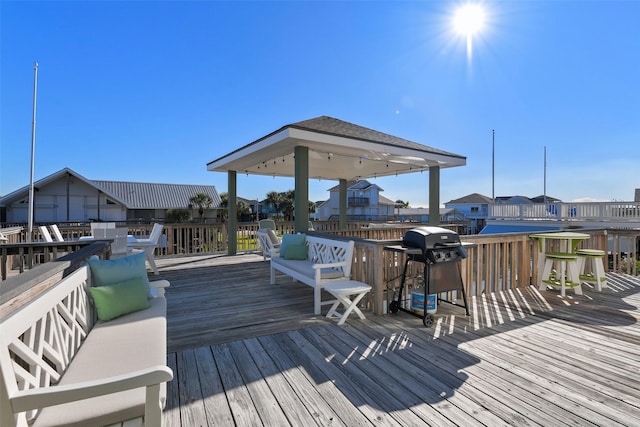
590,253
561,255
597,276
568,264
342,291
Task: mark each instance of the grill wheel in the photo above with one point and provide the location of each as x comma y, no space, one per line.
428,320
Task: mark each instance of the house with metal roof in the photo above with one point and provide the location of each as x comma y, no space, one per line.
67,196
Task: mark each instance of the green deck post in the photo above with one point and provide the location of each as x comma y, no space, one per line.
302,189
342,222
232,214
434,195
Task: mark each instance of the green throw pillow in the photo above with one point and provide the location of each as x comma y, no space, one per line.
291,239
111,271
116,300
296,252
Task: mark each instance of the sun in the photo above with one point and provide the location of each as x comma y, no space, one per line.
468,21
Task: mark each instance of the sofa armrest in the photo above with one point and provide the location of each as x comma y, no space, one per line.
43,397
318,269
159,285
330,265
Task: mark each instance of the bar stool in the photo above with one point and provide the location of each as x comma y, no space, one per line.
341,291
568,277
597,275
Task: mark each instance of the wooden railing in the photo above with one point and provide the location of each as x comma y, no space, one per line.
494,263
25,256
19,290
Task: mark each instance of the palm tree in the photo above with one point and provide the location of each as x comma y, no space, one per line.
241,206
288,204
202,201
275,199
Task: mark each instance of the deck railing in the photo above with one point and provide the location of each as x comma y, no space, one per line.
494,263
563,211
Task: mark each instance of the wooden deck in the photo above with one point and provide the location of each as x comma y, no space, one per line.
246,353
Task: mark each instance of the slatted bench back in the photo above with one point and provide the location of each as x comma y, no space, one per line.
39,340
327,251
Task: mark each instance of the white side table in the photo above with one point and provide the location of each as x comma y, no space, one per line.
342,291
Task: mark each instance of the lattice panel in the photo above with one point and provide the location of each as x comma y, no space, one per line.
326,254
41,354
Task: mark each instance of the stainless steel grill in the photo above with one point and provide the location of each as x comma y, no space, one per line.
440,250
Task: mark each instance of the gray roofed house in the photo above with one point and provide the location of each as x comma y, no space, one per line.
473,198
67,196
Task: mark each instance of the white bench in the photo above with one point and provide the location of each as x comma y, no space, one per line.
328,261
59,366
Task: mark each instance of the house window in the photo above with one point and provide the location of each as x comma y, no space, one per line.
110,202
475,209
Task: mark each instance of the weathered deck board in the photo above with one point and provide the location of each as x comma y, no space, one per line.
228,296
254,354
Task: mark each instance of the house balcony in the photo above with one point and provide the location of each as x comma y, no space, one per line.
355,202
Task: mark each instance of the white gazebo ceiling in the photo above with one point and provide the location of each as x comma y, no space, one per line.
337,150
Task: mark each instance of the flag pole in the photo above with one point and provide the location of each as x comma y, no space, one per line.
493,165
33,151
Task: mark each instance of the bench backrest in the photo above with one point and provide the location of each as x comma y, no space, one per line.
326,251
38,341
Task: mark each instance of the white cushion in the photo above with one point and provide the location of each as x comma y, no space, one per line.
306,268
129,343
272,236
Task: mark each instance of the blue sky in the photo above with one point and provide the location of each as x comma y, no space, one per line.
151,91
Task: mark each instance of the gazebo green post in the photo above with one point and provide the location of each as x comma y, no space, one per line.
342,220
301,189
434,195
232,214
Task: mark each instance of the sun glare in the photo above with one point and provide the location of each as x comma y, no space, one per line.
468,21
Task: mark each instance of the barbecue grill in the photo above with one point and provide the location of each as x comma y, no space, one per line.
440,251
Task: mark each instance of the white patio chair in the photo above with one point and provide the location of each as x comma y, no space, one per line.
267,223
44,232
119,245
269,242
147,245
98,229
56,232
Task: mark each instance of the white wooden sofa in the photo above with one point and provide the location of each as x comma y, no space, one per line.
59,366
327,261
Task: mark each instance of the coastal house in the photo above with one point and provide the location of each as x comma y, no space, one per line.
364,203
474,207
67,196
477,208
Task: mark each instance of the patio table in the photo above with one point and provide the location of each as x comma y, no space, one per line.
568,243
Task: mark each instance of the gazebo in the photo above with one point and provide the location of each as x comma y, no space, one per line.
330,149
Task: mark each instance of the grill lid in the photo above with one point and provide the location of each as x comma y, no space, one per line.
429,238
